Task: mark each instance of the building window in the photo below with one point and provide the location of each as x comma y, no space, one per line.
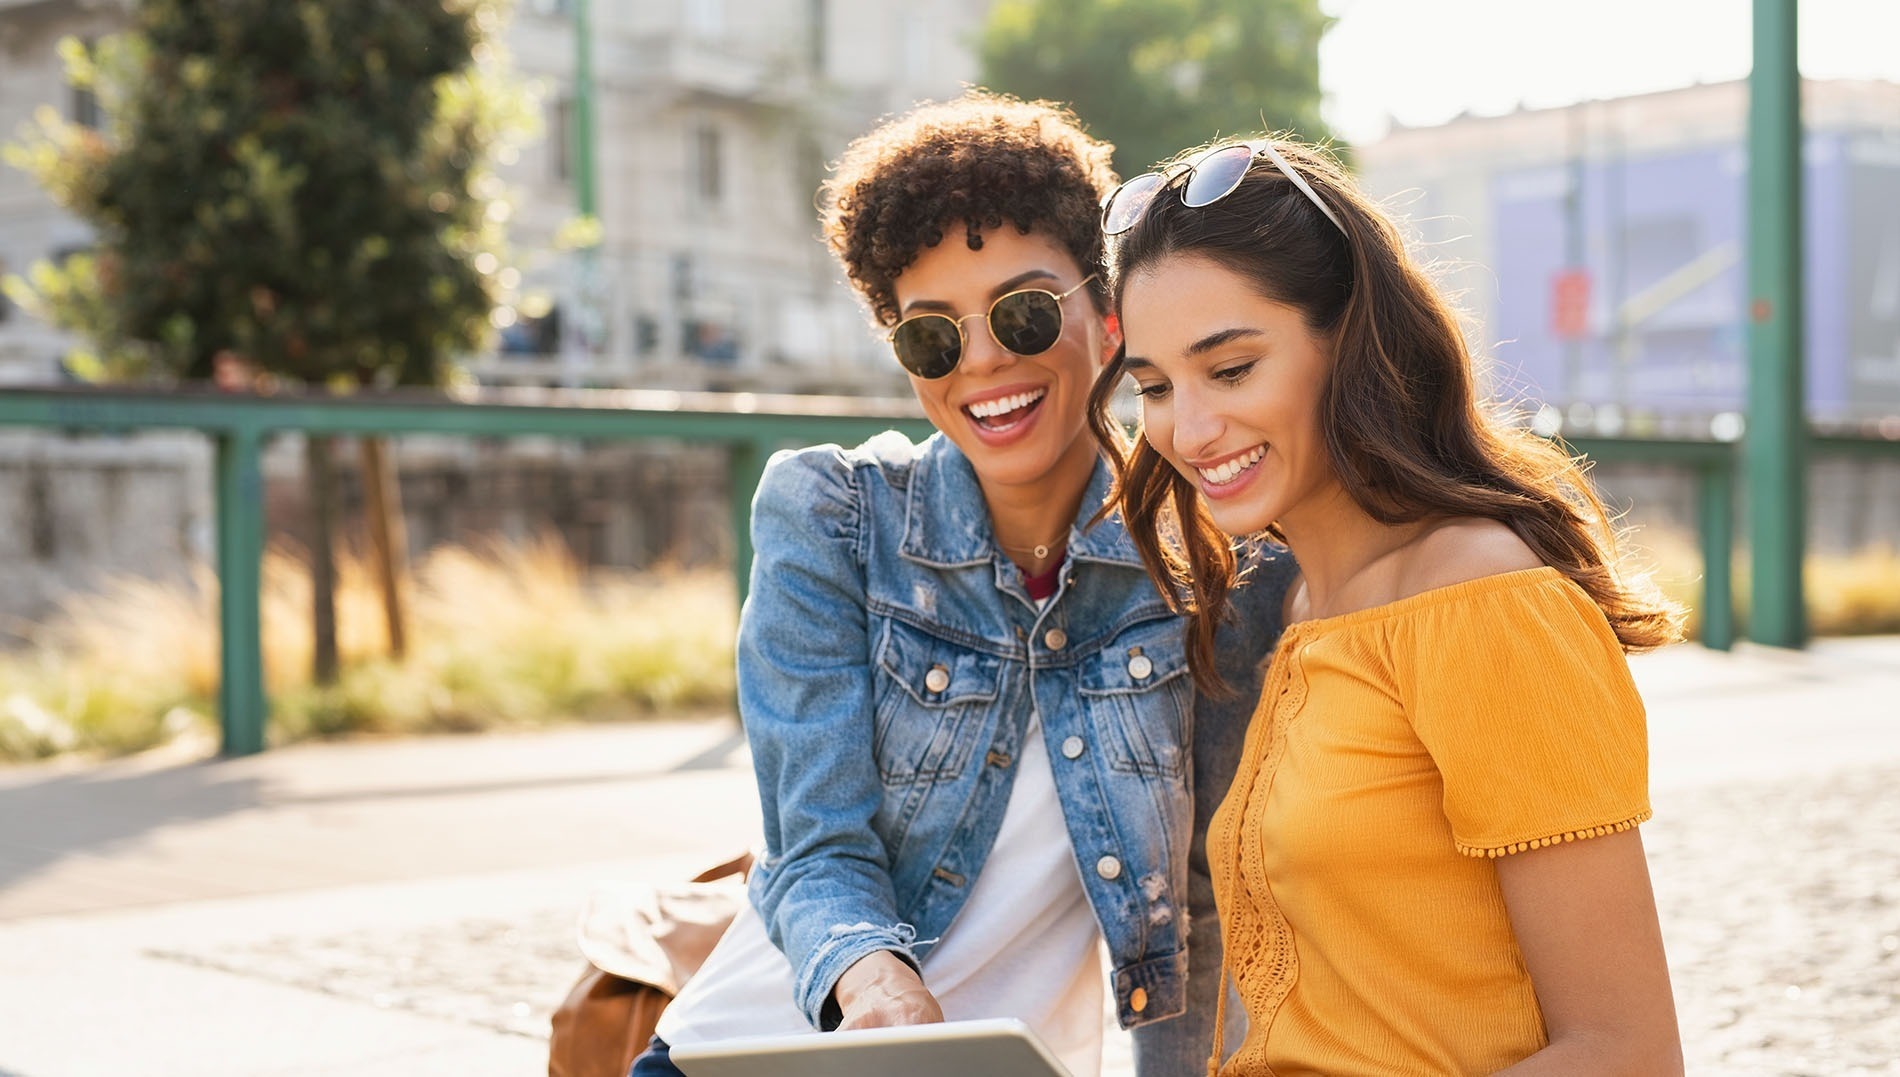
85,103
810,175
561,139
706,18
816,12
708,164
920,46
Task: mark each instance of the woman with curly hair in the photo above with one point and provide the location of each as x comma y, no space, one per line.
969,710
1428,860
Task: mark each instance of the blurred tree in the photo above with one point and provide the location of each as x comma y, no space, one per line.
1157,76
299,188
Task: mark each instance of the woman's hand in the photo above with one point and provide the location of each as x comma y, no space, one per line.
881,990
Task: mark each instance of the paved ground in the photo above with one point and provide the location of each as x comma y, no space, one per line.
406,907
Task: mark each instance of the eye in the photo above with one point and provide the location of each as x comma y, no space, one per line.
1234,374
1151,390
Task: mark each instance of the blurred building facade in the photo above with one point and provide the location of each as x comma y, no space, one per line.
714,122
1599,248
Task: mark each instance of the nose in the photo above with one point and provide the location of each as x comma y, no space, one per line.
981,353
1198,426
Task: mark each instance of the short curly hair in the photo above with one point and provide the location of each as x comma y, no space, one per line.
977,161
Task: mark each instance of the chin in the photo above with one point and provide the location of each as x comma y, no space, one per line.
1015,468
1240,520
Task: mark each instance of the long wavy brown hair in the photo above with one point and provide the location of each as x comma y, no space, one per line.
1405,430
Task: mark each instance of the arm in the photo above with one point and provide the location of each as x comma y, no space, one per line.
1528,709
805,696
1585,919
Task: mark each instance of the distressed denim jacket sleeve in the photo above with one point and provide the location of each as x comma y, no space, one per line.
1182,1044
805,695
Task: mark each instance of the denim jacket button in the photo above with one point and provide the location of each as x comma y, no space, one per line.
1138,999
1108,867
1055,639
1140,666
937,679
1072,748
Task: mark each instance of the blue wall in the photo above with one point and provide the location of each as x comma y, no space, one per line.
1646,217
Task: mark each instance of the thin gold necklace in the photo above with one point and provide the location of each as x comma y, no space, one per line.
1040,551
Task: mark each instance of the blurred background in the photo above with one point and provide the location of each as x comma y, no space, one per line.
597,216
620,196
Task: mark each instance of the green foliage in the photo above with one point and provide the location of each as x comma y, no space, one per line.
1157,76
302,184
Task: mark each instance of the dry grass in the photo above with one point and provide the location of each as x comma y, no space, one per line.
509,634
500,634
1855,594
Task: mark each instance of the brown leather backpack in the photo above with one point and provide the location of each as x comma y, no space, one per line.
642,942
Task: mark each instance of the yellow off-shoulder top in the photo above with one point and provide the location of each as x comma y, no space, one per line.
1395,751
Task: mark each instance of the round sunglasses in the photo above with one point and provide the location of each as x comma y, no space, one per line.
1209,178
1026,322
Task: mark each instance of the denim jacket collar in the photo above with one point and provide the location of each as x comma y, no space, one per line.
943,486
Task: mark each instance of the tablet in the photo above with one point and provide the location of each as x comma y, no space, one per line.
995,1047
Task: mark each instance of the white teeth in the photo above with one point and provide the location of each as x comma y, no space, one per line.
989,409
1229,471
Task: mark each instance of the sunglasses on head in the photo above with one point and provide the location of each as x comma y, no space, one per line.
1026,322
1208,178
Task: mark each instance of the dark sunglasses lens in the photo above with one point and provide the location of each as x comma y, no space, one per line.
1216,175
1129,202
1027,323
928,345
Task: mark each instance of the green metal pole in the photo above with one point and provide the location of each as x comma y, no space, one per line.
1715,507
240,528
583,133
1774,451
588,323
745,465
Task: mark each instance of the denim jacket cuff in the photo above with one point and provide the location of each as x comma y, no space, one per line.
842,948
1151,990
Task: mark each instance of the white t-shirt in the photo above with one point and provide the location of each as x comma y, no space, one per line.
1024,945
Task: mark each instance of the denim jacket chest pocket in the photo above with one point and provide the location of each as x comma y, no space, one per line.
1139,697
932,696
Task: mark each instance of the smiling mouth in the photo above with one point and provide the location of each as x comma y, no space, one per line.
1005,411
1233,469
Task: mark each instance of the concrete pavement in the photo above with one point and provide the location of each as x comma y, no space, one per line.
406,906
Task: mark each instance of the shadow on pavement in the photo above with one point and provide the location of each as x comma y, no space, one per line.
715,757
92,813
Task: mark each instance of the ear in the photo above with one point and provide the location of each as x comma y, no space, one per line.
1111,338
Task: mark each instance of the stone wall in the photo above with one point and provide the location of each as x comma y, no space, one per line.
615,504
74,510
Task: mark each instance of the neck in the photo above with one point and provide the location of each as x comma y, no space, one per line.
1040,513
1341,552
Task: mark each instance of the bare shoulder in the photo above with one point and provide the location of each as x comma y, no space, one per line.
1461,549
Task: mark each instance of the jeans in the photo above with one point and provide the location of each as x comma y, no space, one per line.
655,1061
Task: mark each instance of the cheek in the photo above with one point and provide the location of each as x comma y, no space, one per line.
1157,427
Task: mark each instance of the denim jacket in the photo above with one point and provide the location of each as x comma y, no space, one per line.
889,662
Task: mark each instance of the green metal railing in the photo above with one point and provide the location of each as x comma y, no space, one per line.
1713,463
749,426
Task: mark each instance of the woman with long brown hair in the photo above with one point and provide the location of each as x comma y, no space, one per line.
1429,861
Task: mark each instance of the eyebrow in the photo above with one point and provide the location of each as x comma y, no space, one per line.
1224,336
1200,347
996,293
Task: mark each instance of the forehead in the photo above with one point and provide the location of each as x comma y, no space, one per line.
1171,303
951,270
